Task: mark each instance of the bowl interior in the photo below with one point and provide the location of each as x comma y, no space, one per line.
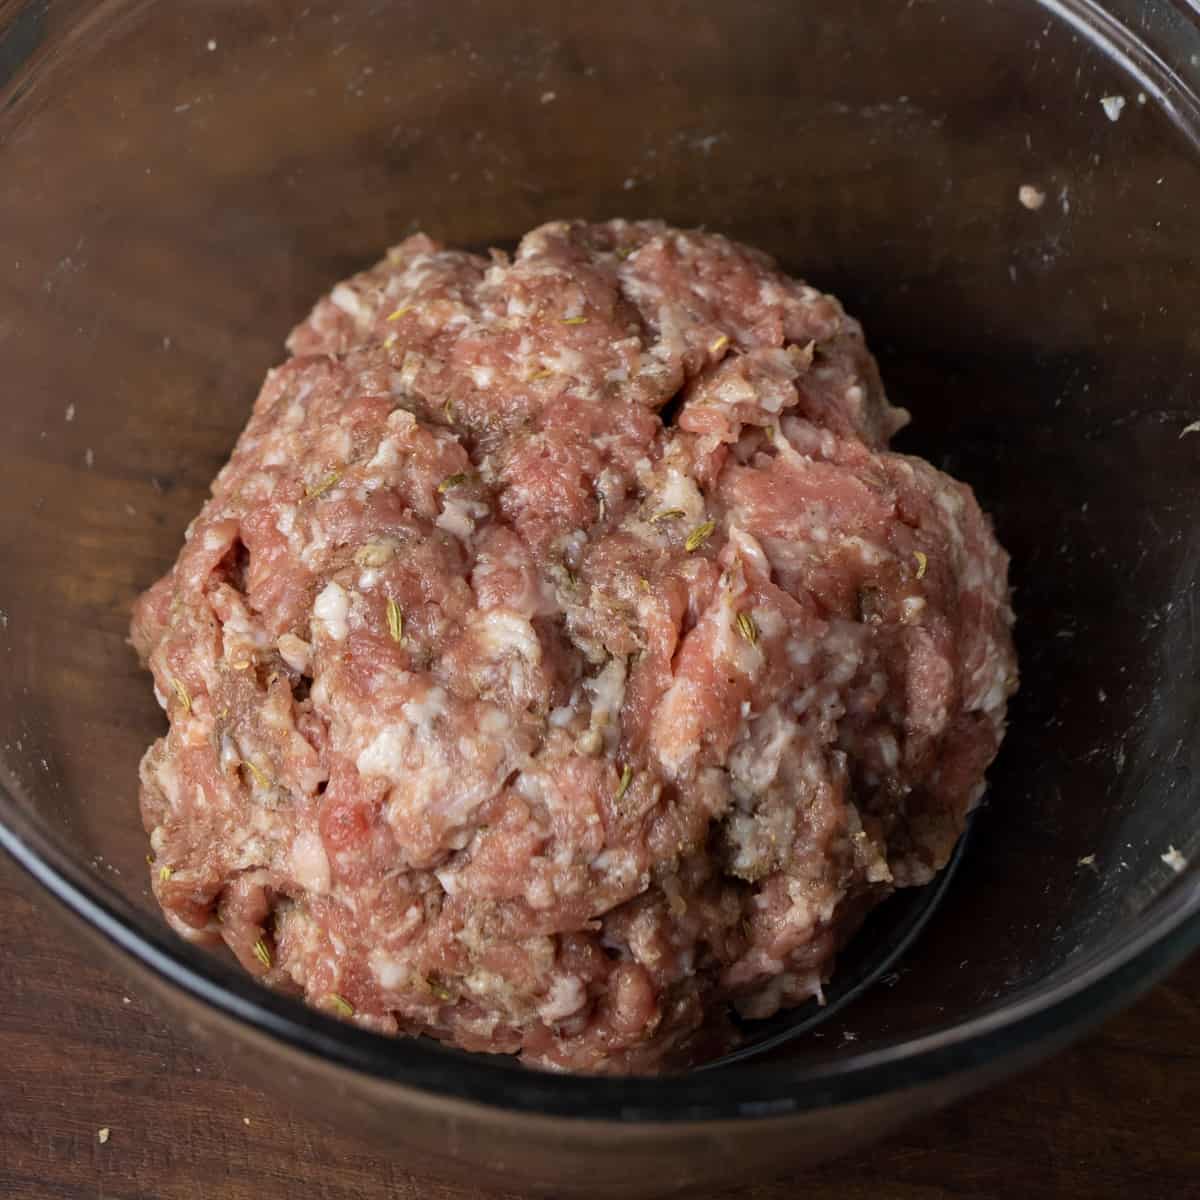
180,180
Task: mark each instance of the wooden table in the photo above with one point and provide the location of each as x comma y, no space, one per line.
79,1054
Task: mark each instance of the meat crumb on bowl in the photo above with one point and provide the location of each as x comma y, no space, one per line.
563,661
1031,197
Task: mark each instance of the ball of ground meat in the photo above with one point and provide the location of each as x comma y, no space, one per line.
563,661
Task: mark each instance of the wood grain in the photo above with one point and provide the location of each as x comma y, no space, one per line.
1112,1117
905,206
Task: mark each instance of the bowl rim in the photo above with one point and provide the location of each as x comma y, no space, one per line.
1048,1015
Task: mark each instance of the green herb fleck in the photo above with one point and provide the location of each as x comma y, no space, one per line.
330,480
395,620
340,1005
259,778
623,786
699,536
747,627
452,481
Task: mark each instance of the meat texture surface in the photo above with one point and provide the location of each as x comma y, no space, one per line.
563,660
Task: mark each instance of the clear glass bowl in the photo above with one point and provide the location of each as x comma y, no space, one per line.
179,179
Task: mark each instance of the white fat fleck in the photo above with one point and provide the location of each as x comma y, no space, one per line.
231,754
567,995
167,777
502,632
331,609
561,717
770,621
285,521
869,553
239,625
617,866
735,389
261,486
494,721
994,695
680,491
974,575
340,444
425,711
675,752
754,763
912,607
517,307
349,301
607,691
387,754
749,550
539,893
387,454
295,651
566,361
769,293
889,751
574,543
391,971
410,368
214,540
310,865
800,651
483,376
843,646
317,544
458,517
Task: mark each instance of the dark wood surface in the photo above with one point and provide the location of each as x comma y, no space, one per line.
933,201
1114,1116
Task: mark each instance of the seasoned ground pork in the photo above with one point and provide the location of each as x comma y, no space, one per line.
563,659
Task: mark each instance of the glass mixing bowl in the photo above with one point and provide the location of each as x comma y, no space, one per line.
178,181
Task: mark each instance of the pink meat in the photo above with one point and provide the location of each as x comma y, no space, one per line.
503,711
